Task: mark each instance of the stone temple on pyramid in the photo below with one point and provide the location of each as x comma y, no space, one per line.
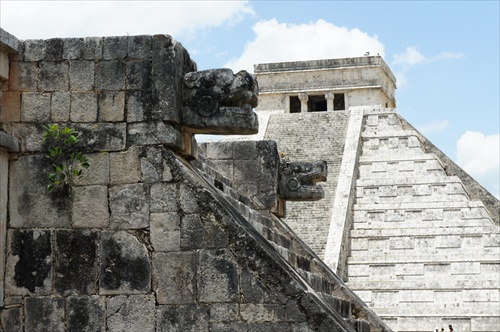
321,210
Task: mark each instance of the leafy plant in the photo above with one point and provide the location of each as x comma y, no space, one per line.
67,162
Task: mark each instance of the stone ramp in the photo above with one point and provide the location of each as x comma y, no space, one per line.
311,136
424,254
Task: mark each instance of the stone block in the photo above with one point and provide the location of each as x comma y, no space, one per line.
60,106
182,318
45,314
4,66
260,312
224,312
154,167
174,279
35,107
75,266
54,76
131,313
217,277
23,76
220,150
97,173
187,199
129,205
149,133
34,50
72,48
31,134
92,48
232,326
138,105
140,47
245,171
90,207
102,136
139,74
83,107
125,167
10,107
125,267
165,231
12,319
110,75
111,106
85,313
251,288
408,269
29,262
164,197
245,150
53,49
115,47
197,233
81,75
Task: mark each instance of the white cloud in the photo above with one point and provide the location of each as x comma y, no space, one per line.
479,155
433,127
48,19
280,42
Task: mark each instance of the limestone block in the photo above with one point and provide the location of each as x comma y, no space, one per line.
164,197
75,266
138,74
31,134
197,233
217,277
125,267
174,279
60,106
12,319
234,326
85,313
465,267
129,205
409,269
491,240
187,199
29,264
115,47
404,242
432,214
4,66
140,46
10,107
35,107
416,296
359,270
153,167
34,50
165,231
224,168
138,105
90,207
484,323
251,288
44,314
111,106
224,312
97,173
257,312
23,76
220,150
92,48
448,241
53,49
383,270
103,136
149,133
72,48
301,327
131,313
81,75
245,171
110,75
472,241
182,318
125,167
54,76
83,107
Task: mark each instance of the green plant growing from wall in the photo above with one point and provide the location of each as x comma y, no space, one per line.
67,161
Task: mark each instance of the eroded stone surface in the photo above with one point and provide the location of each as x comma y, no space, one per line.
131,313
85,313
129,205
175,277
45,314
217,277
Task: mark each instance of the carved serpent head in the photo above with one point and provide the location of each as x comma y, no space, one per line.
297,180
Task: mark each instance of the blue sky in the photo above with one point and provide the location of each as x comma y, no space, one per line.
445,54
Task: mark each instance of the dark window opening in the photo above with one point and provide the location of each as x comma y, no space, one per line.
316,104
294,104
339,102
218,185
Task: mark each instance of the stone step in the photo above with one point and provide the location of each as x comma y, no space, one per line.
400,157
417,206
422,309
386,196
489,232
408,181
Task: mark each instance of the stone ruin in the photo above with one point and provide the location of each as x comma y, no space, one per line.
161,233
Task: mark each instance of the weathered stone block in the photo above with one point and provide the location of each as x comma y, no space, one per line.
92,48
224,312
29,264
10,107
187,199
154,167
164,197
124,264
11,319
34,50
103,136
197,233
245,171
139,74
258,312
97,173
85,313
53,49
182,318
175,277
251,288
269,327
54,76
75,266
125,167
131,313
31,134
35,107
45,314
165,231
110,75
111,106
23,76
220,150
72,48
60,106
234,326
138,105
149,133
217,276
81,75
90,207
129,205
245,150
140,47
115,47
83,107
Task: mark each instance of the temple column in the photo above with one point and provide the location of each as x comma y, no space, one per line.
329,96
303,102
